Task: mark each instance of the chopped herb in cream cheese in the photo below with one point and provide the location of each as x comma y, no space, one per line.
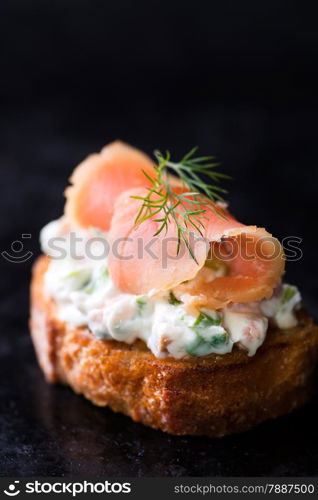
86,296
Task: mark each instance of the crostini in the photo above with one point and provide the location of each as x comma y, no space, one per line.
154,300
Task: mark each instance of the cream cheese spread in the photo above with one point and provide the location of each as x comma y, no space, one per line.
79,282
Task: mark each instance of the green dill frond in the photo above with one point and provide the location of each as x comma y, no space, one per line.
186,208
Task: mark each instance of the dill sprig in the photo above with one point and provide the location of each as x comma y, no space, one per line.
186,206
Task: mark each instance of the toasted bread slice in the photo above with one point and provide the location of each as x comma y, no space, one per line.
212,395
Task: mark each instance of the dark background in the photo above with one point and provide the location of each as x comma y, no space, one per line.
238,79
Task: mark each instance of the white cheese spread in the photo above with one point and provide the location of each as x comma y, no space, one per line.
86,297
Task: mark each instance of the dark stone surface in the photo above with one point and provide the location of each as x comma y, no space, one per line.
47,430
239,80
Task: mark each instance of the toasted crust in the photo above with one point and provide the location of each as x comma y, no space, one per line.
212,395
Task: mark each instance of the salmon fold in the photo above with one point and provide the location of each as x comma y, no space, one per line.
223,262
230,262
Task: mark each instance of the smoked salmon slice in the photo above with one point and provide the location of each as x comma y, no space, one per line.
140,262
100,179
100,196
